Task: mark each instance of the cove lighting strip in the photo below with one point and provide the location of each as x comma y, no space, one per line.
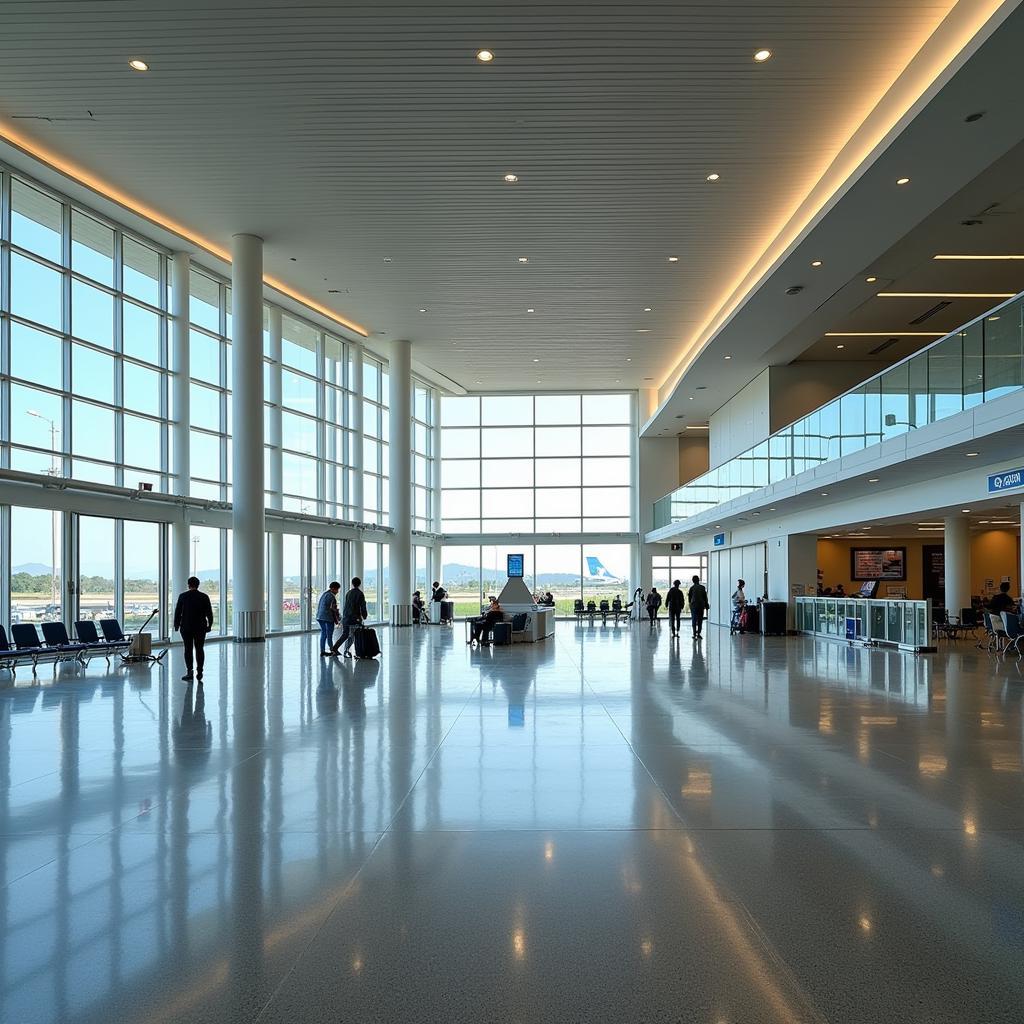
946,295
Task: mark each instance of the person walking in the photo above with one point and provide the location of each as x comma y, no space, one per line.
699,604
739,602
653,604
328,617
353,614
675,601
193,619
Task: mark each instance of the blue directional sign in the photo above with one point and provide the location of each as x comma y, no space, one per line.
1008,480
719,540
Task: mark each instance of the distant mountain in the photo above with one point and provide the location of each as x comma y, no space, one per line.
455,573
33,569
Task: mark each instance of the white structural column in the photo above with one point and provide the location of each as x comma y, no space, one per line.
791,562
247,513
275,540
400,483
957,557
356,498
180,417
435,488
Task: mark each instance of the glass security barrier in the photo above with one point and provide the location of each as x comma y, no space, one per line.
977,363
906,624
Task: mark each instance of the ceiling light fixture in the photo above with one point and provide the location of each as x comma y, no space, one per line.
824,494
965,510
647,309
524,259
971,455
816,263
762,55
511,178
712,177
673,259
840,346
138,65
643,330
884,334
536,360
965,256
871,280
423,309
946,295
727,357
484,56
872,479
993,318
902,181
531,310
691,398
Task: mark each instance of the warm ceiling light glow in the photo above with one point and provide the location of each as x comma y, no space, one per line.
816,263
531,310
946,295
484,56
511,178
536,360
824,494
629,359
643,330
872,479
871,280
965,510
422,309
762,55
524,259
971,455
673,259
647,309
727,357
884,334
712,177
902,181
138,65
840,346
952,256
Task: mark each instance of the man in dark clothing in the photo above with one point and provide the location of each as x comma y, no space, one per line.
653,604
193,619
353,613
437,592
699,604
1002,602
674,602
327,616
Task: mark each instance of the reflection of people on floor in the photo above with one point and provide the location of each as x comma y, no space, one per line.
326,691
192,733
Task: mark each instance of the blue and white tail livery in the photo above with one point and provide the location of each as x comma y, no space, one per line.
597,572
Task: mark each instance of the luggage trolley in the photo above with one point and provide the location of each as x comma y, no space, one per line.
140,648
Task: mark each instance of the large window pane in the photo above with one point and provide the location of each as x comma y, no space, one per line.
141,571
558,569
141,389
36,355
460,443
141,443
204,455
35,292
96,560
1004,352
204,358
92,431
298,344
558,472
92,374
606,409
92,314
204,304
558,409
507,472
92,248
140,271
460,411
460,576
141,332
35,564
35,221
606,441
507,410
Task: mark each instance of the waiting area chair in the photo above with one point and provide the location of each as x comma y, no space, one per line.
578,609
11,656
605,608
55,636
996,632
1012,631
30,646
85,630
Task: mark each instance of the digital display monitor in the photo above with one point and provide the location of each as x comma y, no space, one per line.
515,566
868,589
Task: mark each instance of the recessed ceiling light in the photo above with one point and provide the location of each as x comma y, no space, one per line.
762,55
538,382
647,309
871,280
531,310
479,382
902,181
713,177
884,334
423,309
728,357
691,398
824,494
643,330
536,360
951,256
772,509
993,318
971,455
524,259
484,56
629,359
816,263
617,381
387,259
965,510
840,346
673,259
138,65
511,178
872,479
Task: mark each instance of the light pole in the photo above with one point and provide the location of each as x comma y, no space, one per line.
195,555
54,470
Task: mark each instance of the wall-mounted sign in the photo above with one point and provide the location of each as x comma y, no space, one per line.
719,540
878,564
1008,480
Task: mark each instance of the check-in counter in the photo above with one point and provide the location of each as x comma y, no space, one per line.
540,622
906,624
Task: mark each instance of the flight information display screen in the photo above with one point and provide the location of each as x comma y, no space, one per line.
515,566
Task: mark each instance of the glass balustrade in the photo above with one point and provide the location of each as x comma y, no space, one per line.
977,363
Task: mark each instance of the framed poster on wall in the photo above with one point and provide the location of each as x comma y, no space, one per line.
878,564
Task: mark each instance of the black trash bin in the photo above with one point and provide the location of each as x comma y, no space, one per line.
773,618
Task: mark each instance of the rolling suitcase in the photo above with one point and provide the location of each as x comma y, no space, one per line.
749,619
366,644
447,612
502,633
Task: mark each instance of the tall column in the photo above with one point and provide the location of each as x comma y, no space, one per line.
790,560
957,556
435,484
247,514
275,541
1018,583
400,483
180,417
357,456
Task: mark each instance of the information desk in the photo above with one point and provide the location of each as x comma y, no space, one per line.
540,623
906,624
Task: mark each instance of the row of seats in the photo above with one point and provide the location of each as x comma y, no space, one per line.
1004,631
56,645
615,608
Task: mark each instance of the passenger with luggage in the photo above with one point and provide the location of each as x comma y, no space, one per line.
437,592
419,609
675,601
653,604
353,614
699,604
480,628
327,617
193,619
739,602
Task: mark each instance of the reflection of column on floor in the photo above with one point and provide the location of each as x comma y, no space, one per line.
400,481
180,419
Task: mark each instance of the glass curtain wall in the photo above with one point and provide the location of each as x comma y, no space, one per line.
376,430
423,456
536,464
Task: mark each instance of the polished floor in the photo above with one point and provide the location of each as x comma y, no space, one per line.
611,826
